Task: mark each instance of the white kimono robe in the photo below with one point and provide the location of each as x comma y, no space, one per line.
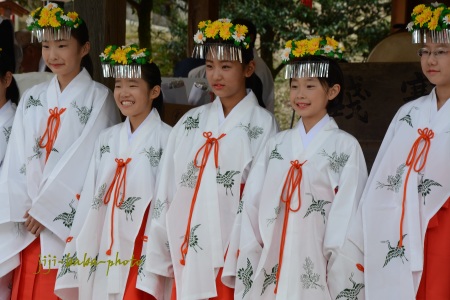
7,113
393,272
91,232
49,189
317,264
246,129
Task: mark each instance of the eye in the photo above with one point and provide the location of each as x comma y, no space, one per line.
309,86
440,52
293,86
226,67
423,52
44,46
208,66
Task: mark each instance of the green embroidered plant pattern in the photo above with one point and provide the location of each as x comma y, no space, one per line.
128,206
83,113
23,169
424,187
337,161
93,268
67,217
36,150
317,206
240,207
394,182
158,208
7,133
226,179
104,149
154,156
167,246
191,123
245,275
275,154
193,239
141,266
33,102
253,132
67,261
394,252
269,278
98,199
310,279
189,178
353,292
407,118
271,220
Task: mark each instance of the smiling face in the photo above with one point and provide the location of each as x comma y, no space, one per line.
135,98
309,99
64,57
435,62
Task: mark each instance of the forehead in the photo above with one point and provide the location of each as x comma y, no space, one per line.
305,79
433,45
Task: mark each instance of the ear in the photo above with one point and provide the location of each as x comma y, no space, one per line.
249,68
154,93
85,49
8,78
333,91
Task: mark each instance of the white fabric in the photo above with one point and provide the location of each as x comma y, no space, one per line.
7,113
91,232
391,272
317,264
247,130
307,137
49,189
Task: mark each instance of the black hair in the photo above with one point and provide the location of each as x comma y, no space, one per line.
12,92
255,84
152,75
81,34
335,76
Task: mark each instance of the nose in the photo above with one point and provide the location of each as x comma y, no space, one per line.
431,59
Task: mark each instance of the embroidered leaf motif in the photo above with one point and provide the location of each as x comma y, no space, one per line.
407,118
351,293
67,217
32,102
141,266
336,161
193,239
7,133
83,113
191,123
167,246
23,169
317,206
189,178
240,207
158,208
104,149
425,186
67,261
394,252
310,279
98,199
269,278
253,132
128,206
93,268
245,275
226,179
19,229
271,220
36,150
275,154
394,182
154,156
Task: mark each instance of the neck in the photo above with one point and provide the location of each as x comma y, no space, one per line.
309,123
64,80
229,103
136,121
3,101
442,94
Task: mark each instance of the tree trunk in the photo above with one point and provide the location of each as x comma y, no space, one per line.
144,29
267,39
200,10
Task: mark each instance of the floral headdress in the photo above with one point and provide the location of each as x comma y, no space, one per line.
311,46
51,23
124,61
222,39
430,22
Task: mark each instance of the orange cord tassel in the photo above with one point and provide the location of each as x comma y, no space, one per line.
51,132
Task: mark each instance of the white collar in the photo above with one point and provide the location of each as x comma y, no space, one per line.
132,135
308,137
221,114
5,107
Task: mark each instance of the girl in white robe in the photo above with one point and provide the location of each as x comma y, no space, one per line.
209,153
119,187
47,158
403,221
289,242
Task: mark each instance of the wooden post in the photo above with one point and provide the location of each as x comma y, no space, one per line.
106,23
200,10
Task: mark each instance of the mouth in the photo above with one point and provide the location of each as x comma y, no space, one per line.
56,65
218,86
432,71
126,103
302,105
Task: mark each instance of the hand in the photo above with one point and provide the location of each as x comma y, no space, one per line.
32,225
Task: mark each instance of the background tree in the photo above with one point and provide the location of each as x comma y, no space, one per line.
143,8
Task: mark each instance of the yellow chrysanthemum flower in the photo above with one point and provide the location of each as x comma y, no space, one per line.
53,22
43,21
213,29
300,48
73,15
433,23
225,33
288,44
313,45
332,42
119,56
45,13
107,50
418,9
424,17
203,24
241,29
